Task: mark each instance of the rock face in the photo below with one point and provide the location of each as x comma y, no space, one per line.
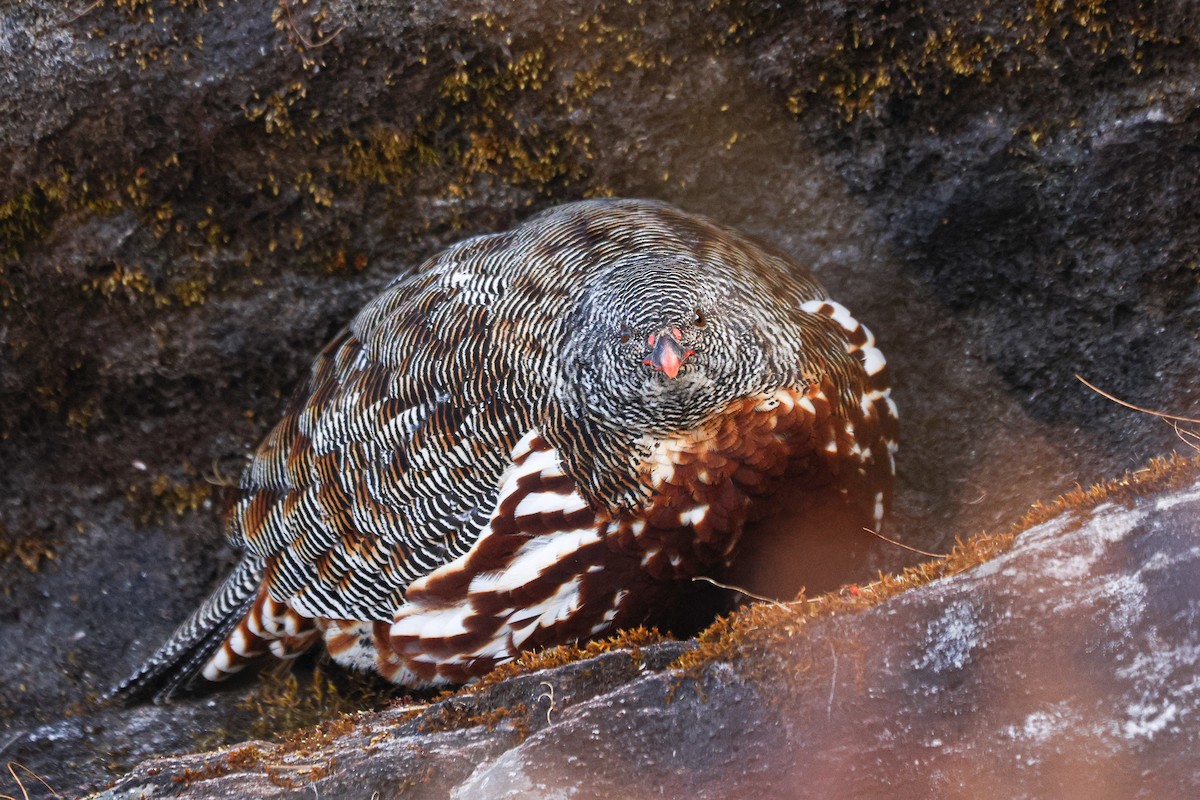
1065,667
194,197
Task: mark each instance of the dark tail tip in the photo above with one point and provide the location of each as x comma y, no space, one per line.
175,667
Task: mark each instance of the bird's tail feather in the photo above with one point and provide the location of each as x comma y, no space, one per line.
175,665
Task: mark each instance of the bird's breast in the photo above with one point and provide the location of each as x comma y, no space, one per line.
707,483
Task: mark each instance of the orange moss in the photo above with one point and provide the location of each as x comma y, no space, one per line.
633,640
879,57
285,775
1161,474
236,759
306,717
453,717
30,550
168,495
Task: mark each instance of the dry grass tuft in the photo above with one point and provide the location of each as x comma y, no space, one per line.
309,714
633,640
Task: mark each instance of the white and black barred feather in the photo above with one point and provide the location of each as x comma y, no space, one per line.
182,658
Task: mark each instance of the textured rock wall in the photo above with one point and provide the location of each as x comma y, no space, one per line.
195,196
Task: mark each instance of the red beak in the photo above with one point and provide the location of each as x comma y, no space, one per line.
668,354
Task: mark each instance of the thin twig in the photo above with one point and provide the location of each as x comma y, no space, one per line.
740,590
310,45
832,680
21,785
85,12
904,546
16,737
219,478
1121,402
1185,435
548,695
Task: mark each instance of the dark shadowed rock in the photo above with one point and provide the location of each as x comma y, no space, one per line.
194,197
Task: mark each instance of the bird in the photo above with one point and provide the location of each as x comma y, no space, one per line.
538,437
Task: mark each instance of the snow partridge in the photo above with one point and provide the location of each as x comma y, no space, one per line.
537,437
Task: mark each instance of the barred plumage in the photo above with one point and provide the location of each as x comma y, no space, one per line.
537,437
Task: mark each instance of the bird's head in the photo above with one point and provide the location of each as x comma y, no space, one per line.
660,344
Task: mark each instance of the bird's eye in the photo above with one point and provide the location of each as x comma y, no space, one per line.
625,333
699,321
